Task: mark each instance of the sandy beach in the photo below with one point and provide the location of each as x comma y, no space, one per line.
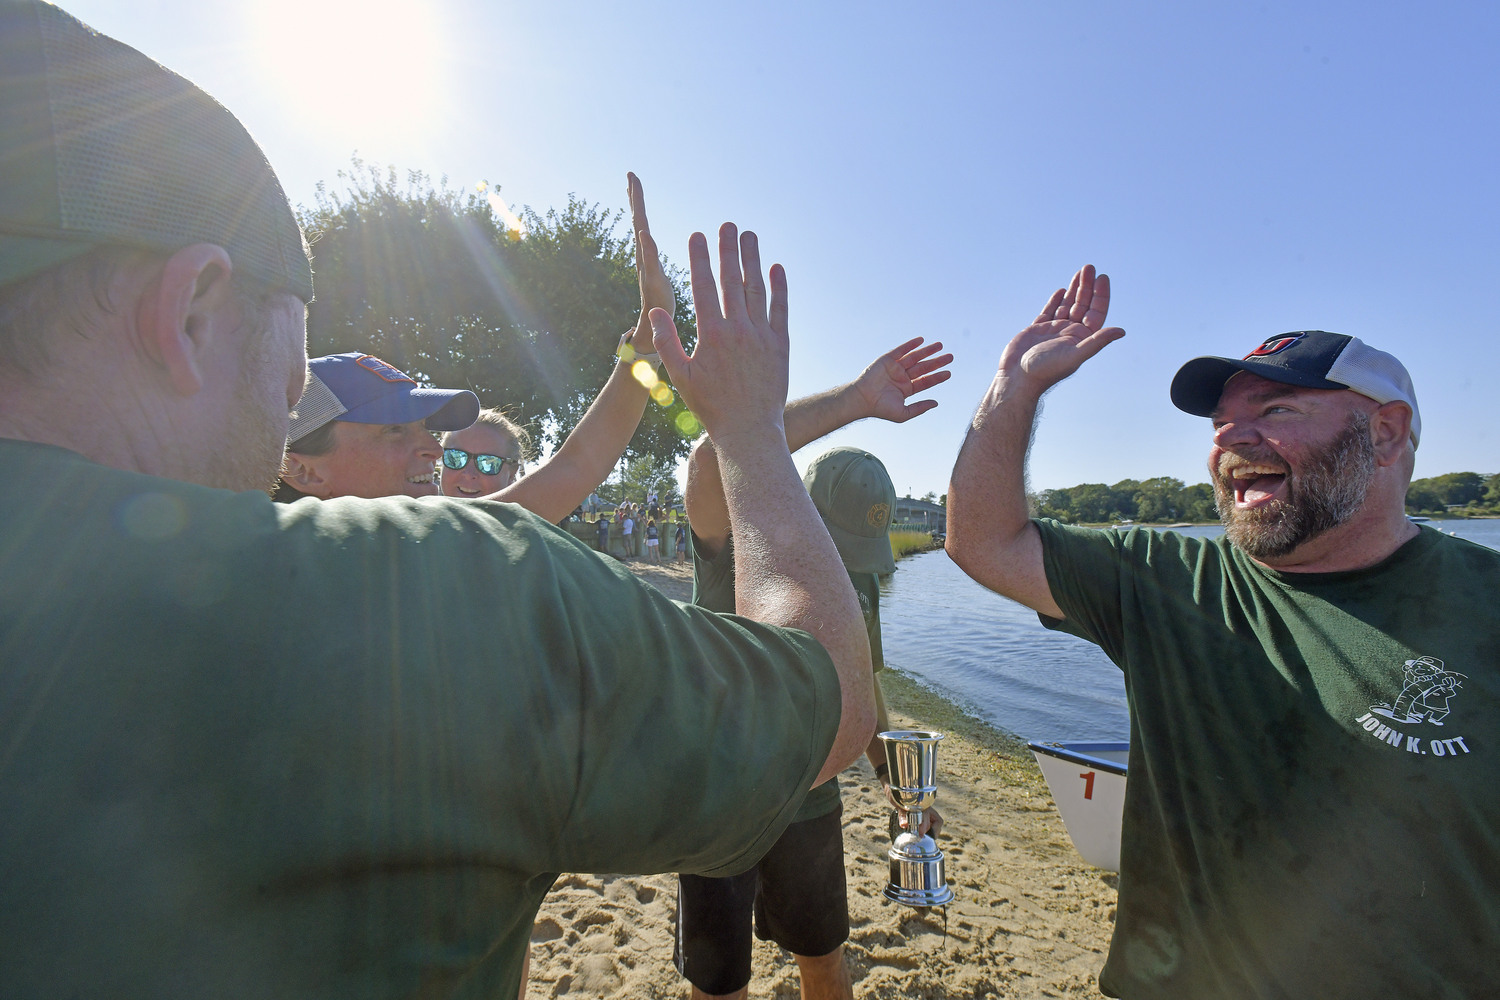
1030,919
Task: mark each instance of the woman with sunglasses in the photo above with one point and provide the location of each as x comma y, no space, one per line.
484,457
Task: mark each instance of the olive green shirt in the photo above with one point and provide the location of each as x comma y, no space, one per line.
1311,808
341,748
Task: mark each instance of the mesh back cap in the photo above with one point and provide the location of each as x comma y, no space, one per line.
1314,359
100,145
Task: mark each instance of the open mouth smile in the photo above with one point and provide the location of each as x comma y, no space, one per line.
1255,484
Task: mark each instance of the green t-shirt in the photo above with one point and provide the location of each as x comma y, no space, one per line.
341,748
713,588
1311,807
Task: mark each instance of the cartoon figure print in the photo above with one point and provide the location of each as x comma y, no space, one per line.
1426,688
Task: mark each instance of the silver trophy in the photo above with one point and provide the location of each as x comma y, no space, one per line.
916,863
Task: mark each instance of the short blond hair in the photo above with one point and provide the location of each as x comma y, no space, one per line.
497,419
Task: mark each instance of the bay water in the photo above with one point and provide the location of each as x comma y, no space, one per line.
991,656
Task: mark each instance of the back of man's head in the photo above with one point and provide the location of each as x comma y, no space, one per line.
854,494
102,148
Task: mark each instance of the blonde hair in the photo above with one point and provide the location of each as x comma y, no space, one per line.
491,417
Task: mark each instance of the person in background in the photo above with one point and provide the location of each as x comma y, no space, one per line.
1292,829
681,544
276,749
627,531
653,542
796,895
601,533
483,458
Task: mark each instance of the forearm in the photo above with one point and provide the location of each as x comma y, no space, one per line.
819,415
788,573
990,534
588,455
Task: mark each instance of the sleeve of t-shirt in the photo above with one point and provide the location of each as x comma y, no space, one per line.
1084,567
508,695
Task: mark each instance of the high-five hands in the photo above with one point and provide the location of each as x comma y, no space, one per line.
1069,330
736,378
899,374
656,289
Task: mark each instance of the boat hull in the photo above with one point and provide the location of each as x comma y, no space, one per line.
1087,781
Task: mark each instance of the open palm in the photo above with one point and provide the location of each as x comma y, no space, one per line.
1069,330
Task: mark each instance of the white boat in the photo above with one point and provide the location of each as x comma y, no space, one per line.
1087,781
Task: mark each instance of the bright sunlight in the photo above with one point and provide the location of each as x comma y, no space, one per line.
371,70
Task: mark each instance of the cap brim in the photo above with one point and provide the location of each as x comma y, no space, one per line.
24,256
442,409
861,553
1197,386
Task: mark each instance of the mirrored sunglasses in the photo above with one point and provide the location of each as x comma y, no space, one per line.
489,465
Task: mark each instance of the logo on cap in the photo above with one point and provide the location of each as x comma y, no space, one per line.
389,373
878,515
1273,345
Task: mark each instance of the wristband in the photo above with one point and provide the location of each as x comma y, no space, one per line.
883,772
651,358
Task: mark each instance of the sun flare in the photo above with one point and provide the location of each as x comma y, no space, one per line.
369,72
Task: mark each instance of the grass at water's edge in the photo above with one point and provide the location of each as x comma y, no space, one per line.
905,543
1011,759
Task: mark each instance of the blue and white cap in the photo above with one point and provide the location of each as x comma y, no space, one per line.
362,389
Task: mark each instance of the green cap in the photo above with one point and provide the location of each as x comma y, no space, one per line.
100,145
854,494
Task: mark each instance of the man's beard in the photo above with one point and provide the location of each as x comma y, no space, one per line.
1329,490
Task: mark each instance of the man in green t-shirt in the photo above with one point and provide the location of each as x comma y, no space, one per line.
796,894
336,749
1314,698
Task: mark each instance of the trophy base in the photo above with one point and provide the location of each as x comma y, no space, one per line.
919,897
917,879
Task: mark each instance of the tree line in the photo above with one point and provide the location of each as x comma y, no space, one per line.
1165,500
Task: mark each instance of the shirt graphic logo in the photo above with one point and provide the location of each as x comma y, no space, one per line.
1273,345
1424,694
1427,687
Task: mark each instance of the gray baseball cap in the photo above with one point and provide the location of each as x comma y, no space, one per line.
100,145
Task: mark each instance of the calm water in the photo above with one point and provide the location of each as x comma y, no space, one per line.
993,657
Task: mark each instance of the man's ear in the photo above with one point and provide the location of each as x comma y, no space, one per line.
305,475
190,305
1390,432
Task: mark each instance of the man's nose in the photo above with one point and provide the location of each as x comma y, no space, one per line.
1236,432
429,446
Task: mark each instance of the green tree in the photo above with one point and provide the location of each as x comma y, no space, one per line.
433,281
1156,500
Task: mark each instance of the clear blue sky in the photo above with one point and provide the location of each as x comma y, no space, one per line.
1239,170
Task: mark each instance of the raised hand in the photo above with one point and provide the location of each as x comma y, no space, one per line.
737,375
656,288
1069,330
897,375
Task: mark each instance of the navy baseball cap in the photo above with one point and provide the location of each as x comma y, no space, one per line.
1313,359
362,389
